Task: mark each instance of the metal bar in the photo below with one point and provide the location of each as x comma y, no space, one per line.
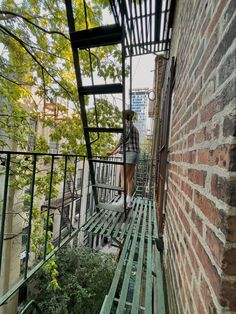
73,193
4,205
48,209
105,130
113,8
71,24
128,270
91,74
165,20
39,154
107,161
148,294
131,29
141,20
31,304
158,11
123,100
146,22
136,19
30,214
63,199
137,290
111,294
150,23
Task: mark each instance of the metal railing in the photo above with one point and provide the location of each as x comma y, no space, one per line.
44,200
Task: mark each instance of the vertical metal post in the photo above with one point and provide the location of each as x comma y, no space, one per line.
73,193
4,206
48,209
30,214
63,198
123,98
71,24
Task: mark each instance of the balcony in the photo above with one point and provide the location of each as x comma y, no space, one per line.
47,203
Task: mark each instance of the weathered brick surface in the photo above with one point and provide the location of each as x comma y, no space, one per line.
200,227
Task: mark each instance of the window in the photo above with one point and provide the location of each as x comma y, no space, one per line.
163,140
77,206
31,138
53,147
65,216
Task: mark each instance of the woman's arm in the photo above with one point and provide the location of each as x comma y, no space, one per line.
114,150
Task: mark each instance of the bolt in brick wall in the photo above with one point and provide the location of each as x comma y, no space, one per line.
200,227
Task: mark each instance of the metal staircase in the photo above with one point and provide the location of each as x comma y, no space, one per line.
84,40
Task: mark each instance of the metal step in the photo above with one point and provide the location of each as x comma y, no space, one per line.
111,162
108,187
112,207
105,130
96,37
101,89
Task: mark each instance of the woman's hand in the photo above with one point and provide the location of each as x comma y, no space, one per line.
109,154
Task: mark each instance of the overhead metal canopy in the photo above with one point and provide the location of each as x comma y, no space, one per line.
148,24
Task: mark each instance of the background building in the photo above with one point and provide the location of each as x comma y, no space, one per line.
140,106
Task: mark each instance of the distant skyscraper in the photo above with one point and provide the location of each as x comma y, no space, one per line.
140,106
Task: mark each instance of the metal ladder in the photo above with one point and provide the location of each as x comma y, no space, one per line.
86,39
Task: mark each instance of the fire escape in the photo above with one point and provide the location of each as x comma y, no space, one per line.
141,27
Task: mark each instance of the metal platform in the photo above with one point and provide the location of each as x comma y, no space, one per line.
113,223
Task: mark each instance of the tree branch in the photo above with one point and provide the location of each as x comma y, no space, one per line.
37,61
37,26
14,82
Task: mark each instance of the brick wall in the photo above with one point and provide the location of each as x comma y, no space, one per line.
200,228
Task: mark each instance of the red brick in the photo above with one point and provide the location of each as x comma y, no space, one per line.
232,158
224,189
224,45
229,262
219,102
197,301
208,52
231,229
209,268
215,245
197,176
191,140
189,157
220,157
201,136
228,295
207,297
229,126
197,221
184,220
191,125
208,208
194,261
186,188
215,18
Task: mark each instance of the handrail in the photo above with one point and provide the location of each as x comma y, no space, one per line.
32,304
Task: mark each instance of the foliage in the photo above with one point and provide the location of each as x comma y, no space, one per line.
84,277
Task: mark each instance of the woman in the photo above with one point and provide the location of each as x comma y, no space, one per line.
132,156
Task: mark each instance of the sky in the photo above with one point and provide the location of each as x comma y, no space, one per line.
143,71
143,66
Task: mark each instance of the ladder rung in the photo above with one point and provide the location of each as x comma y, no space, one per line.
113,207
108,187
101,89
96,37
107,161
106,130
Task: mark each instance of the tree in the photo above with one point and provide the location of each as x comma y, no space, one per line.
84,278
37,67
